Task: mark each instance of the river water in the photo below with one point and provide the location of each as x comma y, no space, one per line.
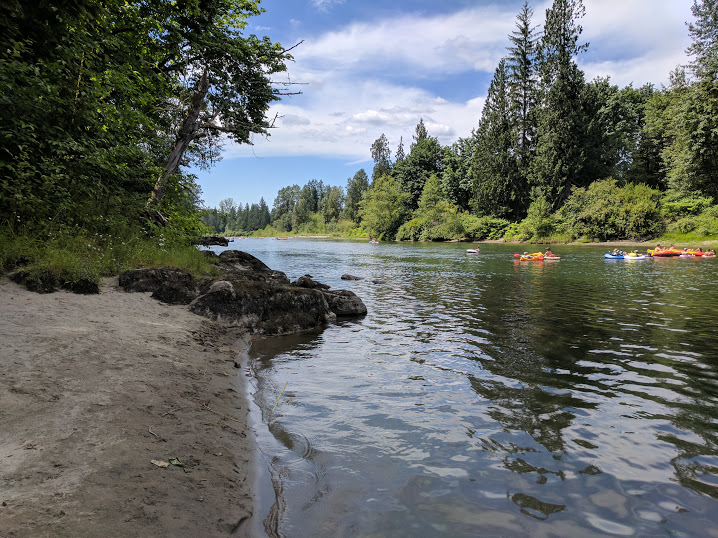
485,396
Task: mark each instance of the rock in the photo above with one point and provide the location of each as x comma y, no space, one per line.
351,277
264,307
208,240
345,303
245,266
45,281
307,282
40,281
83,285
153,279
176,292
209,254
249,295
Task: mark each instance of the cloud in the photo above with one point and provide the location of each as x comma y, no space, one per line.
381,76
453,43
635,41
325,5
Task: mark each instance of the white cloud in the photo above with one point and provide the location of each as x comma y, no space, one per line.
325,5
635,41
370,78
470,39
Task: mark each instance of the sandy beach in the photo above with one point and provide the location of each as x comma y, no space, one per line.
121,416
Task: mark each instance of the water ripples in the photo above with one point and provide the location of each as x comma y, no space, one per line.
573,397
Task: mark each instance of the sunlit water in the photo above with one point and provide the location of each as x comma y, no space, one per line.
485,396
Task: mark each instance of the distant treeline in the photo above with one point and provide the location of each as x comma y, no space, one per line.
553,156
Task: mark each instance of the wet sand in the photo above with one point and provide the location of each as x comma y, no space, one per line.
93,389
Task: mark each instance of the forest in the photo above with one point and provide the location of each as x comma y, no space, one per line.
106,105
553,158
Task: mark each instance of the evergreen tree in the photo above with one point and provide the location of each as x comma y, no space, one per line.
264,216
420,133
456,176
400,155
704,33
423,160
523,86
381,154
243,218
498,190
253,218
693,157
561,120
356,187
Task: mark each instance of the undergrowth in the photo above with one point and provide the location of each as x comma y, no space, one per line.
73,256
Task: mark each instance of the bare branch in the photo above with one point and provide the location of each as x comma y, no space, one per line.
292,47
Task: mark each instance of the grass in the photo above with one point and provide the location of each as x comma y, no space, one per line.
72,258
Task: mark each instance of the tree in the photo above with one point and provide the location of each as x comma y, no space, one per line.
561,120
692,157
264,216
100,99
423,160
400,155
646,163
254,218
80,129
228,88
498,188
523,87
384,207
456,176
704,33
284,202
306,205
356,187
332,203
381,154
420,133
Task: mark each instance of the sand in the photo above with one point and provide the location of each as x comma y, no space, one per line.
93,388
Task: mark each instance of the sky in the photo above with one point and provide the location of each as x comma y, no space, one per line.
372,67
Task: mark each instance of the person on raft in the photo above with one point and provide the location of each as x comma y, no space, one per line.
548,253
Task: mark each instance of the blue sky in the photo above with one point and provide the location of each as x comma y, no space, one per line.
370,67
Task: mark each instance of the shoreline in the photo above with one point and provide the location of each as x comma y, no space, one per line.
93,389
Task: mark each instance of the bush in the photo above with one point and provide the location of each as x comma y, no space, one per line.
483,228
605,211
410,231
676,205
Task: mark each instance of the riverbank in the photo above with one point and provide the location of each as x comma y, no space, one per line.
93,390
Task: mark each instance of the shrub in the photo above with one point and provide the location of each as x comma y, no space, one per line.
482,228
605,211
410,231
676,205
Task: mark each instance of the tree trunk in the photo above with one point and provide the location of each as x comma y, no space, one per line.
189,129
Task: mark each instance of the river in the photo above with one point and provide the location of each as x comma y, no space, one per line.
481,395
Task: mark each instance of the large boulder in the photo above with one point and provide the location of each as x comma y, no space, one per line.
45,281
345,303
208,240
249,295
306,281
153,279
263,307
240,265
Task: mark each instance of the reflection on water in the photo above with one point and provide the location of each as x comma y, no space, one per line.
486,396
